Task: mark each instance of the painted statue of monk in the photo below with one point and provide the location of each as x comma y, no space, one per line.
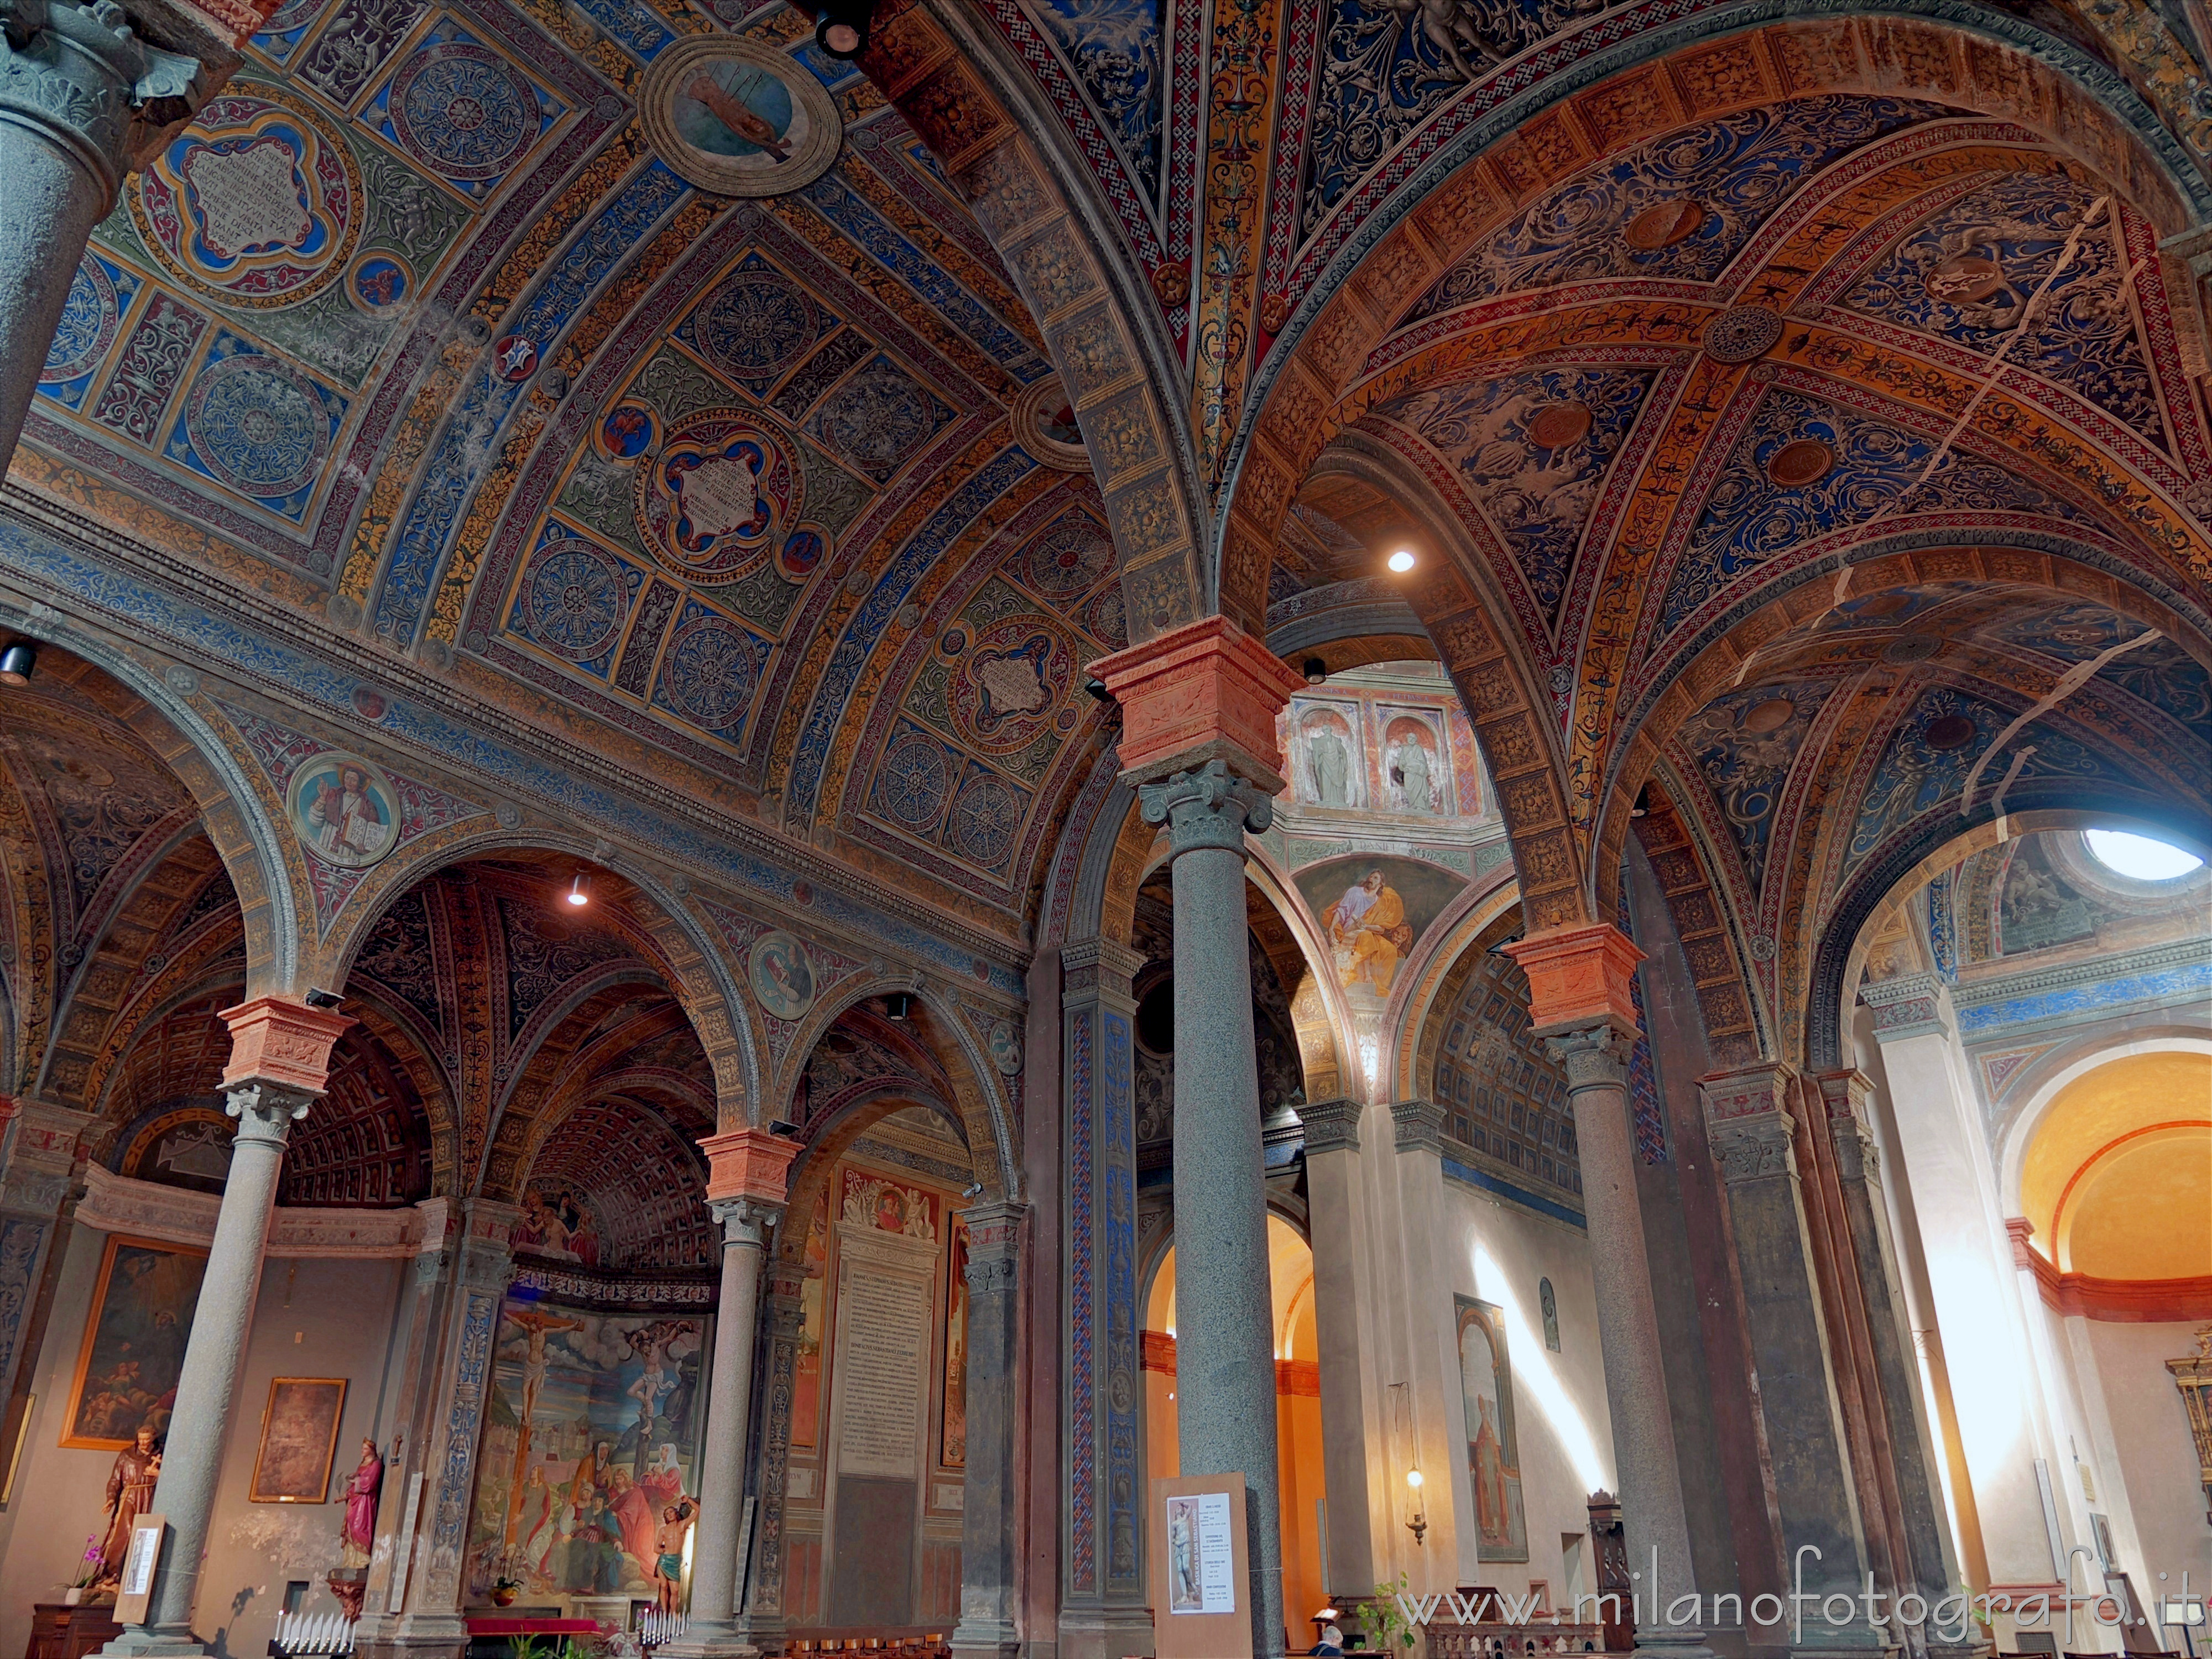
129,1495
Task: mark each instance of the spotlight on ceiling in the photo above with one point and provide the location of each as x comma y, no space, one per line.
1097,689
327,1001
843,31
1402,560
897,1004
580,890
1317,670
17,661
784,1127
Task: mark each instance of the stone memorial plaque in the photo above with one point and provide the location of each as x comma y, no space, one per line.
884,1319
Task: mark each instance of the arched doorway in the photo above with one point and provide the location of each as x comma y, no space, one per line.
1297,1409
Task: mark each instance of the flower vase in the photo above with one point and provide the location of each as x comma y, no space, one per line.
73,1595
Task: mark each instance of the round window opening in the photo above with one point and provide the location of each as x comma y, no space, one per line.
2140,858
1156,1019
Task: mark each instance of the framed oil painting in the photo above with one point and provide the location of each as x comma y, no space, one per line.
299,1436
1493,1456
952,1452
134,1342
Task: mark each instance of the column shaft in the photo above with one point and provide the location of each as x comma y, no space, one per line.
762,1620
988,1566
1224,1331
714,1564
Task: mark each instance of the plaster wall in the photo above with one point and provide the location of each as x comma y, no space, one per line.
1498,1252
2150,1435
313,1318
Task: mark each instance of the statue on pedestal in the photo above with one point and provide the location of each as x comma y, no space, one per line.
129,1494
349,1580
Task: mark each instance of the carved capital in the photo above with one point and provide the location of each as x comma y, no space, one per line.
746,1221
1100,965
1210,807
266,1112
1578,977
1331,1126
2018,1230
1595,1058
274,1039
1207,692
749,1163
1908,1005
1746,1091
487,1249
42,1144
1417,1126
994,1247
1756,1148
1858,1158
80,75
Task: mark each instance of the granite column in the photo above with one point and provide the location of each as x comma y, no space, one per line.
1199,707
83,98
746,1181
988,1570
280,1056
1580,1003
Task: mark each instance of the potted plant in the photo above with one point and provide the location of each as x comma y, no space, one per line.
504,1590
89,1566
1386,1619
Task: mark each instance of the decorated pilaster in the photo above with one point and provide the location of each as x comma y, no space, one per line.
1580,1002
747,1179
988,1567
1933,1562
1103,1614
427,1294
1199,708
1336,1200
38,1150
1787,1318
84,98
761,1620
1445,1551
280,1053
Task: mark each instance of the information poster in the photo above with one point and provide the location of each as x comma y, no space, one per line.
1201,1555
1201,1563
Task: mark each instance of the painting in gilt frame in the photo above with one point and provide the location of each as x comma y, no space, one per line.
953,1451
298,1438
134,1342
1493,1456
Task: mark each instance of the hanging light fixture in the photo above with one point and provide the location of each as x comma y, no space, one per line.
580,890
1401,560
1317,670
843,30
17,661
1418,1526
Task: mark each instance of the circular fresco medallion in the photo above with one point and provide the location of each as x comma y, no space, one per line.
1557,425
1911,648
1067,558
782,977
756,325
462,111
90,319
1799,462
257,202
378,281
708,676
715,501
260,426
1771,715
737,118
627,433
1006,1045
1947,732
1964,279
1663,224
345,809
911,785
1741,333
1006,690
574,595
1045,426
803,550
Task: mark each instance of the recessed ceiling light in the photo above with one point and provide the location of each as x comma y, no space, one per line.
1401,560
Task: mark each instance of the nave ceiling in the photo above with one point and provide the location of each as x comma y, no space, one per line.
1689,354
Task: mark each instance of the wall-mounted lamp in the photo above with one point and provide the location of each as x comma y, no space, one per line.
580,890
17,661
897,1004
1316,670
1418,1526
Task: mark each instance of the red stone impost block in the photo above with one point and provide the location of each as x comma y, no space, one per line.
1747,1092
1206,691
1578,977
749,1163
277,1040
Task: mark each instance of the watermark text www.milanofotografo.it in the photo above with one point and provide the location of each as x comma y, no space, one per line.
1949,1617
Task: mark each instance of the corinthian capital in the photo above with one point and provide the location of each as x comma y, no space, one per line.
83,75
1595,1058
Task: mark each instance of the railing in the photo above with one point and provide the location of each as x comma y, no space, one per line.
1542,1640
303,1633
